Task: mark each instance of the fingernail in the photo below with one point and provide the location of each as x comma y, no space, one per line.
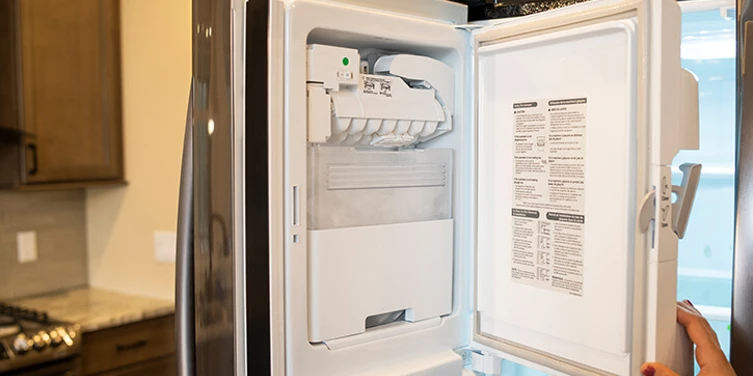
649,371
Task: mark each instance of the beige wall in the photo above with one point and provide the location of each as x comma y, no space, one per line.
156,56
59,219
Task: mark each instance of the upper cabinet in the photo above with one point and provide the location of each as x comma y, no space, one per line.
60,93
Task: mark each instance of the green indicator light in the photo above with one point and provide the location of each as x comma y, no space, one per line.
346,61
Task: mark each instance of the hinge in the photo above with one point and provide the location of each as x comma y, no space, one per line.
480,362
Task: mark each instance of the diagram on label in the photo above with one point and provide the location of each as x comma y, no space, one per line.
544,258
548,188
545,228
377,86
541,142
544,242
543,274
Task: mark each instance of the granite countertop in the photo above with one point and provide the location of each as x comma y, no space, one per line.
96,309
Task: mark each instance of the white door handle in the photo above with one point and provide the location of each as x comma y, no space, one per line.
691,175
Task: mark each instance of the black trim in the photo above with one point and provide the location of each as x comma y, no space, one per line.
258,308
741,336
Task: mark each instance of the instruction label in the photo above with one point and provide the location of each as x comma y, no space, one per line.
548,214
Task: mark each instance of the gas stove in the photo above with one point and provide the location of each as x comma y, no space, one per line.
30,339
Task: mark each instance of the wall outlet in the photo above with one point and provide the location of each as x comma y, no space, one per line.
165,243
26,245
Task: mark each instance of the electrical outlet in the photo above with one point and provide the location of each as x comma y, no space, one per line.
165,243
26,242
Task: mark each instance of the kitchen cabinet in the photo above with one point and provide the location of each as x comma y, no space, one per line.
159,367
143,348
60,92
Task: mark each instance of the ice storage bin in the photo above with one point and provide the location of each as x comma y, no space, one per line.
349,187
359,272
380,237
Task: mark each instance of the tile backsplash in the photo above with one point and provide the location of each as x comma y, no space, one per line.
59,219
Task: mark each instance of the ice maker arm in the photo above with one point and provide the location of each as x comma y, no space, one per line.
431,73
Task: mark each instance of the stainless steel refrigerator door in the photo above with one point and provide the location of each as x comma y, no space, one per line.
741,336
213,243
230,144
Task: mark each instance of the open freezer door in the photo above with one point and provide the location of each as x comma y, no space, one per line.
580,113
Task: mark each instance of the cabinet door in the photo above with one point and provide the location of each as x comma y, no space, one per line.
109,349
159,367
8,64
9,112
70,64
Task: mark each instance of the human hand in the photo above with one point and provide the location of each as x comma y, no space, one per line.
708,352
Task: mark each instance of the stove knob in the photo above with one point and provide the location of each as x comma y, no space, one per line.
21,344
38,343
55,338
63,334
41,340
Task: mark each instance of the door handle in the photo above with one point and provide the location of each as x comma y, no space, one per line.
35,162
681,208
131,346
691,175
184,263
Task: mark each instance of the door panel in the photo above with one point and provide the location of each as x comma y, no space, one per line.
575,126
585,156
214,304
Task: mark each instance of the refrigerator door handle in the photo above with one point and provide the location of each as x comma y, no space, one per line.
184,283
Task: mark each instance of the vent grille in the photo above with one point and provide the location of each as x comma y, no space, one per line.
346,176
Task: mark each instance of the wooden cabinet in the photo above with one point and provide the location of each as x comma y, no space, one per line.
8,66
146,348
159,367
60,88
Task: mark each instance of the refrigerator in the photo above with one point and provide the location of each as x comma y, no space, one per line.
384,188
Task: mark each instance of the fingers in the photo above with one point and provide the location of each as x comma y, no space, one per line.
656,369
690,307
708,351
698,328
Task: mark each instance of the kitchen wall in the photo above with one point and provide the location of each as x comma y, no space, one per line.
156,57
59,219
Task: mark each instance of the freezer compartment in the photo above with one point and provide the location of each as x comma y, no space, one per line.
357,275
350,187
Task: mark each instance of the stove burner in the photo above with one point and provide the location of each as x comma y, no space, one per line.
29,338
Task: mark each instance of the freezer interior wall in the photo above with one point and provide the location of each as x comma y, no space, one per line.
378,273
